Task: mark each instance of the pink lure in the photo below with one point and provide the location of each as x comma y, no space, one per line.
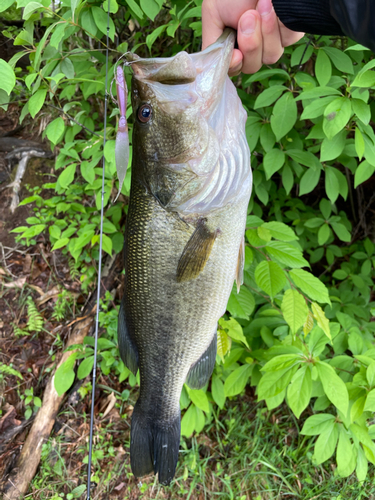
122,137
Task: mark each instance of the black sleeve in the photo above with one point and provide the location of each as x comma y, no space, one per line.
354,18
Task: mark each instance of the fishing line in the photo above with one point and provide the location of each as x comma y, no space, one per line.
99,270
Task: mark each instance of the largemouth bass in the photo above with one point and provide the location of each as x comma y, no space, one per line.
190,188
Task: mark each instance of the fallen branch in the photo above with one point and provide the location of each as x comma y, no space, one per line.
24,155
19,479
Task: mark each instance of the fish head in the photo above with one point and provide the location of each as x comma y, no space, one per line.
179,110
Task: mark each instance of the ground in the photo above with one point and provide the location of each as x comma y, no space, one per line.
246,452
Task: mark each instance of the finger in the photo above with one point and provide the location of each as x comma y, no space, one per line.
272,47
249,38
217,14
289,37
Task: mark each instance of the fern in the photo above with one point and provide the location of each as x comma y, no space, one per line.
18,332
73,269
35,320
63,302
9,371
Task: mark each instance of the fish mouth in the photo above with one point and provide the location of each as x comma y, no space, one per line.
183,68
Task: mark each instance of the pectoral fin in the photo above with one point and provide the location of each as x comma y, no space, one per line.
240,265
201,371
128,350
196,253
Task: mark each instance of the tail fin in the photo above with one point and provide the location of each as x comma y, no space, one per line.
154,446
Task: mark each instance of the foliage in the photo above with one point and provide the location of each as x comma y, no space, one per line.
294,337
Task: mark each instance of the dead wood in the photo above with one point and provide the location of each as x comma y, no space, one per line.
20,477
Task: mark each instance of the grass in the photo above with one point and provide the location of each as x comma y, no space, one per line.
245,453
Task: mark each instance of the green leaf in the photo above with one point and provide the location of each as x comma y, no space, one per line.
200,400
299,390
269,96
316,108
88,23
294,310
314,222
331,184
218,392
5,4
287,178
60,243
332,148
85,367
242,304
370,374
284,115
280,231
323,68
273,161
309,181
345,456
55,130
58,34
363,173
64,376
341,60
341,231
237,380
318,92
359,143
223,343
370,401
321,319
365,79
84,238
270,277
107,244
334,387
36,102
362,465
66,177
101,18
87,172
310,285
336,116
362,110
151,8
135,8
8,78
154,35
234,329
281,362
325,444
304,158
316,424
188,421
29,9
323,234
273,383
288,255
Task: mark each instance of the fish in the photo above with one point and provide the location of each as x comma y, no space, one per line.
184,237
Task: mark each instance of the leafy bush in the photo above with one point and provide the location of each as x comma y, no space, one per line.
291,335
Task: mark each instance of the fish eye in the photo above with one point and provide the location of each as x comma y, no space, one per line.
144,113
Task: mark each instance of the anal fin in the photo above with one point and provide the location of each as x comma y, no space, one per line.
196,252
128,350
201,370
240,265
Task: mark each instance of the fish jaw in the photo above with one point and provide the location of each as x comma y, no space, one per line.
197,130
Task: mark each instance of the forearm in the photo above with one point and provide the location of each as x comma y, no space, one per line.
354,18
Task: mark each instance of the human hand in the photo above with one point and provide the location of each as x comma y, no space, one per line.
261,36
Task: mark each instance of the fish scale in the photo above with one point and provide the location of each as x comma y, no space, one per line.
179,266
